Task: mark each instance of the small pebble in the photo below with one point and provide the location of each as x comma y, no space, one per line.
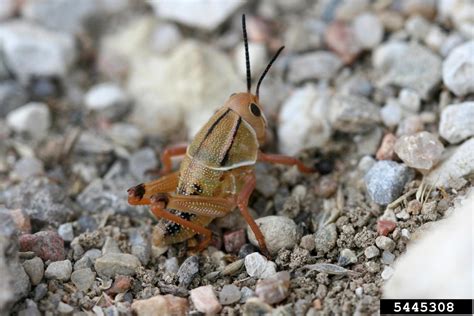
165,38
387,273
22,220
40,291
353,114
421,151
83,279
359,291
325,187
141,246
188,270
387,257
110,246
233,241
113,264
47,245
229,294
325,238
233,268
403,215
246,293
410,125
65,309
171,265
141,161
66,231
121,284
372,267
258,266
371,252
386,179
386,149
205,300
307,242
255,306
346,257
385,243
368,30
340,38
35,269
457,122
391,113
59,270
409,100
458,69
384,227
414,207
108,99
279,232
275,289
318,65
33,118
406,234
27,167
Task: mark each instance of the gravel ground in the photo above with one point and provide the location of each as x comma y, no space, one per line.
378,96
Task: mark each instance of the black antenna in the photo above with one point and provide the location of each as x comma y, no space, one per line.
268,67
247,58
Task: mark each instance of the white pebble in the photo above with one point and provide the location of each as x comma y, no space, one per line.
387,273
33,118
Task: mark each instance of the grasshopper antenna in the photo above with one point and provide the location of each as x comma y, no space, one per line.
247,58
268,68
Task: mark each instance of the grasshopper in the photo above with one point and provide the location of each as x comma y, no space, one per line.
217,173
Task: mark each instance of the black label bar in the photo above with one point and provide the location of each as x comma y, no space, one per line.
426,306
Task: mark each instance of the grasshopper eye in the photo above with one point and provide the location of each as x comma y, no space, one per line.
254,109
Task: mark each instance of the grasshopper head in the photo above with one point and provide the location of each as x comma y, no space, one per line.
247,106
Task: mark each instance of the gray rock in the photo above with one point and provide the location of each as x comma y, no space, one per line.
458,69
27,167
33,119
385,243
206,14
229,294
188,270
421,151
457,162
113,264
165,38
66,231
407,65
30,310
279,232
83,279
257,266
60,14
83,263
141,161
141,246
171,265
127,135
326,238
409,100
457,121
352,114
20,285
302,35
387,257
31,50
346,257
65,309
303,120
59,270
267,185
417,27
110,246
43,200
109,192
368,30
12,96
108,99
386,179
35,270
319,65
93,143
391,113
371,252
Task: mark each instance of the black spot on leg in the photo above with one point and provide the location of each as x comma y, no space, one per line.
197,189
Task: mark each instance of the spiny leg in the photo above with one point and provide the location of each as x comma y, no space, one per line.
157,208
285,160
201,205
169,153
242,203
141,194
